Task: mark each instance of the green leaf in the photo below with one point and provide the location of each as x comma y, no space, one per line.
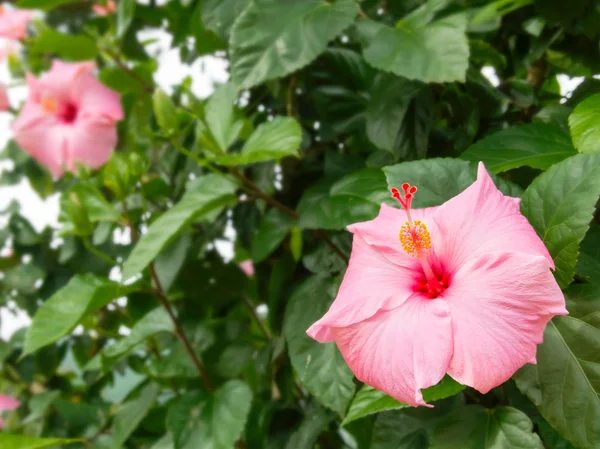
211,193
296,243
211,421
23,278
153,322
273,38
588,263
219,15
22,442
319,208
559,204
72,47
497,9
273,228
368,400
223,119
368,184
307,434
399,116
131,414
125,13
584,123
45,5
564,383
170,261
473,427
437,52
59,315
320,367
536,145
165,112
271,141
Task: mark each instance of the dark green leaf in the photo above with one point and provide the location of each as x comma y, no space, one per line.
273,38
131,414
437,52
45,5
537,145
559,204
306,435
320,367
473,427
273,228
68,46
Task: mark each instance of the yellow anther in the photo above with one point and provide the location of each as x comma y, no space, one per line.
415,238
49,105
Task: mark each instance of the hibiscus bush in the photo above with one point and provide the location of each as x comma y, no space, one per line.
377,231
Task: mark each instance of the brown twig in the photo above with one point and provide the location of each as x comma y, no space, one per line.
148,86
256,318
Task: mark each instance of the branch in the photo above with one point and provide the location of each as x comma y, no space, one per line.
256,318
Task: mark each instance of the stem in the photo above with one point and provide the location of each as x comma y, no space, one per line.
96,252
257,319
179,330
117,60
291,98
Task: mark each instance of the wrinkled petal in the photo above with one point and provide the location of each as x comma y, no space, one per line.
382,232
402,350
500,304
13,23
8,403
482,220
91,142
371,283
42,137
4,102
94,98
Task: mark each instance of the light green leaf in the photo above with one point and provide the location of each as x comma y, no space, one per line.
219,15
157,320
497,9
22,442
59,315
273,228
223,119
125,13
211,193
45,5
474,427
320,367
537,145
131,414
564,383
271,141
23,278
399,116
584,123
68,46
437,52
211,421
165,112
368,400
559,204
273,38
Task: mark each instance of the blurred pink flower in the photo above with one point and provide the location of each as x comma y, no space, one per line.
13,23
7,403
4,102
466,291
247,267
110,7
69,117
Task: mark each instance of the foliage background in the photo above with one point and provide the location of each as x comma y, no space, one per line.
329,104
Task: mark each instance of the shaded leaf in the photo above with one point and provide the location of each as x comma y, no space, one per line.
584,123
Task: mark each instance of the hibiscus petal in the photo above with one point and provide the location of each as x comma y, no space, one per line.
8,403
371,283
382,232
402,350
42,137
481,219
57,83
94,98
91,141
500,304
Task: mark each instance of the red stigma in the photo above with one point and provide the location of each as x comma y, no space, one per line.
405,186
413,190
406,199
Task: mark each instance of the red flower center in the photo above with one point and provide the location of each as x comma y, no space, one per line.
433,289
68,114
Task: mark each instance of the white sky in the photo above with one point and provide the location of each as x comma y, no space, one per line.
205,72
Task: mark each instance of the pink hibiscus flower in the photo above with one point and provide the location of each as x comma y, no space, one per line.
13,23
247,267
69,117
4,102
463,289
7,403
101,10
